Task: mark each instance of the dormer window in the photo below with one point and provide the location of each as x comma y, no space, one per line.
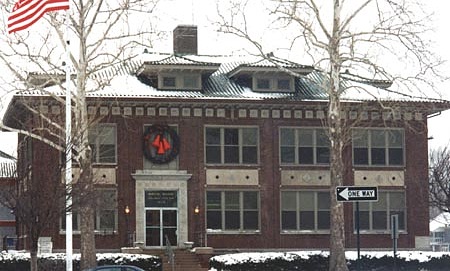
273,84
191,81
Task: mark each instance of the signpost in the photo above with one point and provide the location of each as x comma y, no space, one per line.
357,194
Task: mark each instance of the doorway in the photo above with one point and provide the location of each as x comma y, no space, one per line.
161,218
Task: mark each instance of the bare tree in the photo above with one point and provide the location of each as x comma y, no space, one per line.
440,179
363,37
33,199
101,35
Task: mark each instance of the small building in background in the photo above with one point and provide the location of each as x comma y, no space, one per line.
8,174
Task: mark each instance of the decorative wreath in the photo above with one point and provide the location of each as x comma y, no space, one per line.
161,144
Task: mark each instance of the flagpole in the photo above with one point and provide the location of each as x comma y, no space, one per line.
69,231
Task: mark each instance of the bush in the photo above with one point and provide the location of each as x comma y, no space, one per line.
319,262
57,261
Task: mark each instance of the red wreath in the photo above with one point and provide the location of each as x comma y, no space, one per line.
161,144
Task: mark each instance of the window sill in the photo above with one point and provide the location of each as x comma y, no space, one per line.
387,232
217,232
305,232
96,232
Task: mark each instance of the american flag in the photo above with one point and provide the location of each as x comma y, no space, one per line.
27,12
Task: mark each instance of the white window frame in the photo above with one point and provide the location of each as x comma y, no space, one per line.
389,210
96,153
180,80
77,217
240,145
297,145
241,212
298,209
273,83
370,147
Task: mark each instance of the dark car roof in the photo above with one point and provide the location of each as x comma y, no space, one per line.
116,267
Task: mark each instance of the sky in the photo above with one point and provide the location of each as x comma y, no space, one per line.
202,14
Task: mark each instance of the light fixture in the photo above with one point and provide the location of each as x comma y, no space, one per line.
197,210
127,210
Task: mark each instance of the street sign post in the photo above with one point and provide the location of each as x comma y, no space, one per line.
357,193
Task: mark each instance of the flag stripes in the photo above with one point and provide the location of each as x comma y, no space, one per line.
27,12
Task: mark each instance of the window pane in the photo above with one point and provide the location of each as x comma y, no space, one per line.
107,220
251,220
287,154
289,220
250,200
306,155
306,200
323,200
379,220
250,155
287,137
395,138
360,156
307,220
364,223
378,138
323,220
232,220
395,157
214,220
397,201
305,137
322,138
323,155
262,83
231,136
213,154
190,81
360,138
107,154
284,84
378,156
289,200
213,136
249,136
231,154
232,200
213,200
169,81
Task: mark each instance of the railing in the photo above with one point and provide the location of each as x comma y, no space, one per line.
437,240
170,254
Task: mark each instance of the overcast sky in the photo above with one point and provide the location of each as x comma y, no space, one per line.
201,13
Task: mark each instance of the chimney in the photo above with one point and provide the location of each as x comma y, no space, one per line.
185,40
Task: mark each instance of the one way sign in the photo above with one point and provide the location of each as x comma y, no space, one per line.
357,193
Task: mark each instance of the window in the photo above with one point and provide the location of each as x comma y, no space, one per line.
231,145
105,211
378,147
102,140
305,210
304,146
232,210
267,84
180,81
375,216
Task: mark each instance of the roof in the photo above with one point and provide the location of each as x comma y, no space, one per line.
311,86
439,222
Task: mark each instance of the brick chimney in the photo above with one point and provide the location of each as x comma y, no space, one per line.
185,40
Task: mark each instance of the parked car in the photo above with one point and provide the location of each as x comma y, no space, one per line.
115,268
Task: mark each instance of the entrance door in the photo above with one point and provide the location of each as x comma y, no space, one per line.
161,223
161,218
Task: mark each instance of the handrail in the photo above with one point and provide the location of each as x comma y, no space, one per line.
170,254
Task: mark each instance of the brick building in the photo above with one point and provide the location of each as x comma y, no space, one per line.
231,152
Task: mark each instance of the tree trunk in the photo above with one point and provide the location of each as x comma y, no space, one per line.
33,253
87,213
